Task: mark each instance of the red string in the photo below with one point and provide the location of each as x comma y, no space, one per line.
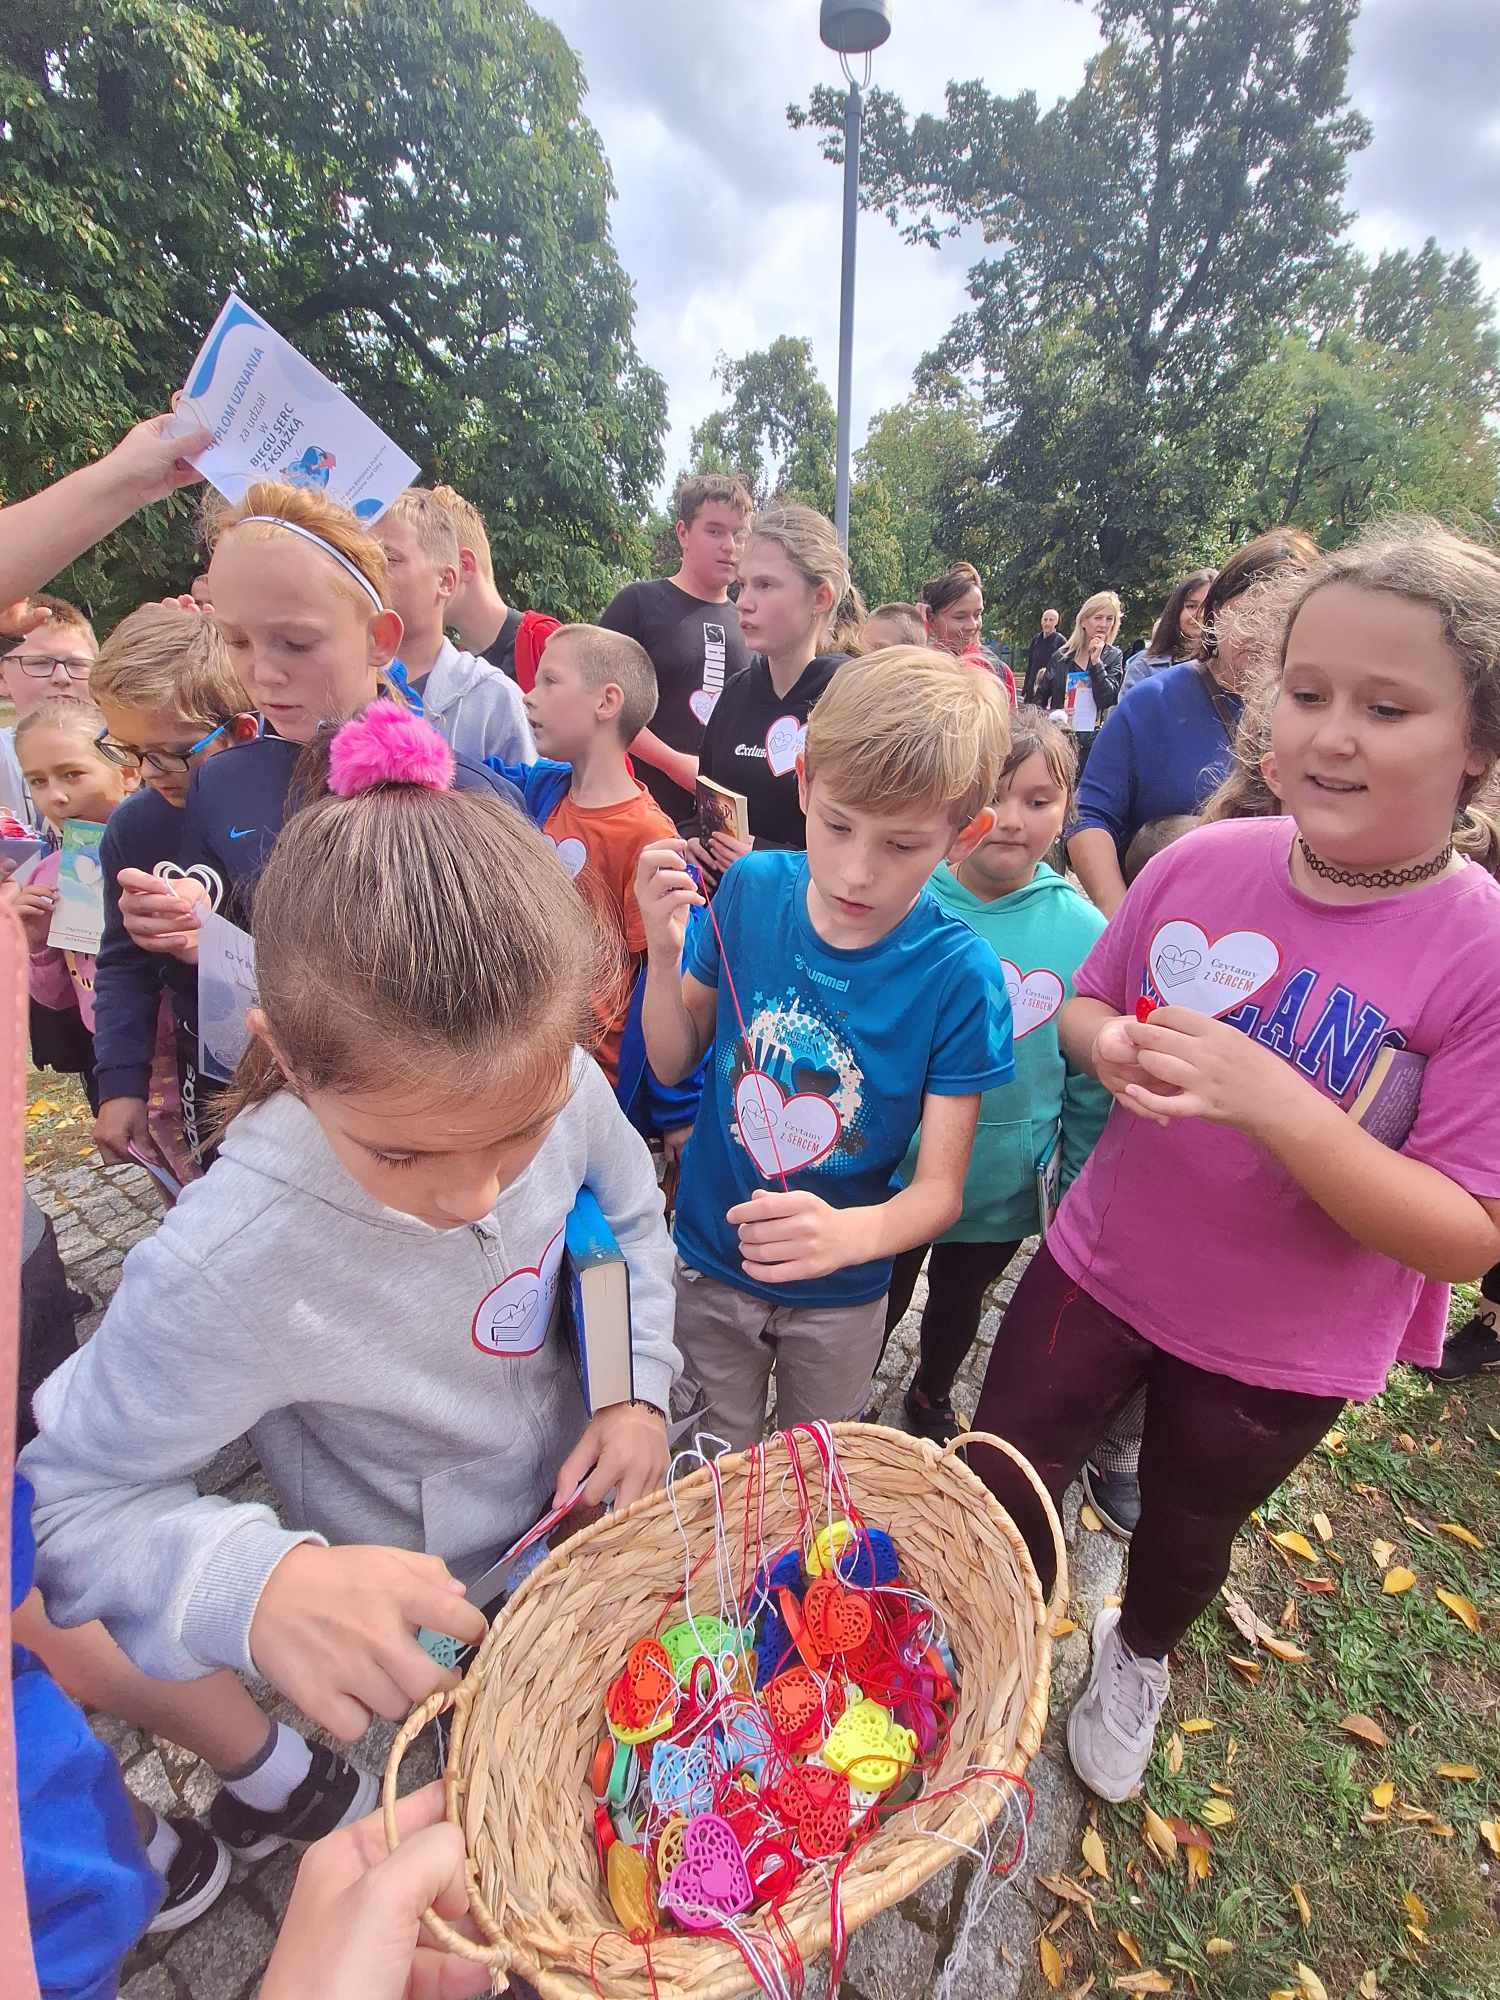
765,1111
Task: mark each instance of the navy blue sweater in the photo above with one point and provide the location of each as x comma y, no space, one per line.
128,982
1161,752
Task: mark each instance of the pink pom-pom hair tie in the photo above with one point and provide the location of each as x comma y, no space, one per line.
388,745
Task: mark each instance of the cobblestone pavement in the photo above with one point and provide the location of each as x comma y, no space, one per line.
99,1213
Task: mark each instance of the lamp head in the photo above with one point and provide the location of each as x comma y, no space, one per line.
854,27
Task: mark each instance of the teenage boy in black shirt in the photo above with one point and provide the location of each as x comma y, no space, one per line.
692,633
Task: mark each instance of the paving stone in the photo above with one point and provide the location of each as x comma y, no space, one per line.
218,1957
889,1958
75,1242
270,1881
148,1781
127,1743
152,1982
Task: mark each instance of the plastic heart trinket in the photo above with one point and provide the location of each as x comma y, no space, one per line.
872,1560
829,1544
682,1777
642,1699
748,1739
814,1802
697,1638
630,1890
870,1747
839,1620
711,1882
797,1703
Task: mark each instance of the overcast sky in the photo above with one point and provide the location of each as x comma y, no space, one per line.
728,221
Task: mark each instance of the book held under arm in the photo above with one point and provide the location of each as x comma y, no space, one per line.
596,1306
1387,1103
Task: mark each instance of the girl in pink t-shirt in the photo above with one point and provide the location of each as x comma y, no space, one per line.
1297,1018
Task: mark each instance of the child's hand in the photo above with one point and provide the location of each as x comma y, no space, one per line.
162,916
121,1123
729,848
665,893
786,1238
335,1631
623,1451
1196,1067
1115,1061
34,907
352,1930
700,856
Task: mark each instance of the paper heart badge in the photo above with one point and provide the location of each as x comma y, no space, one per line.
703,701
1212,976
784,741
1034,997
514,1317
783,1134
571,853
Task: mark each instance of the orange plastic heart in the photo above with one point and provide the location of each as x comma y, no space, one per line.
798,1702
642,1699
839,1619
814,1802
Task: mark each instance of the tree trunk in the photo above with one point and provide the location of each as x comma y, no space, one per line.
1304,458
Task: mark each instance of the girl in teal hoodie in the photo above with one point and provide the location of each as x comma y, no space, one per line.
1037,1131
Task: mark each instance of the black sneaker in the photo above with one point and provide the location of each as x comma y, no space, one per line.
333,1794
936,1422
1473,1350
197,1876
1115,1499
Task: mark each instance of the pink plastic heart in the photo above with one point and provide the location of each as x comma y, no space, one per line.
711,1883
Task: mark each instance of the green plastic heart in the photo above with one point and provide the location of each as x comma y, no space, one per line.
700,1637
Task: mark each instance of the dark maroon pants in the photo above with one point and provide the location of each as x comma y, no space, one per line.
1214,1449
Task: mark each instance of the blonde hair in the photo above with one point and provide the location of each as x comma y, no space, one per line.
1102,600
73,718
910,729
403,931
431,522
60,612
602,658
164,657
811,545
468,526
303,507
908,620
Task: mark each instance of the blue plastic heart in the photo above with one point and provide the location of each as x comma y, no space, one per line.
773,1647
787,1573
871,1561
747,1740
682,1778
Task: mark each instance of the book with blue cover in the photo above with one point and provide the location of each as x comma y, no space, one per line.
597,1306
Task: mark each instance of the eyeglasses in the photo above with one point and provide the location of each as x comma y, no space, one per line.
165,763
42,666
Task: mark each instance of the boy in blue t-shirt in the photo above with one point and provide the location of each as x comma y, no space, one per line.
845,1009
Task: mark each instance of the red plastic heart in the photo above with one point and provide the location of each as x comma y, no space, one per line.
773,1868
642,1692
797,1703
744,1813
839,1620
814,1802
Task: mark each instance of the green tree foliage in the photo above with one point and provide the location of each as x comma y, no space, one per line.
410,193
928,453
777,427
1151,235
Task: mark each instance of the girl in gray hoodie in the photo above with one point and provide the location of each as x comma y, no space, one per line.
367,1279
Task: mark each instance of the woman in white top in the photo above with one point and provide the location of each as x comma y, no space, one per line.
1091,668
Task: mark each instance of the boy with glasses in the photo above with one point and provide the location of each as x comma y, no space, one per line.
170,700
52,660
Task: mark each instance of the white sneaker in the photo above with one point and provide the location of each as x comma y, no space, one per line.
1113,1723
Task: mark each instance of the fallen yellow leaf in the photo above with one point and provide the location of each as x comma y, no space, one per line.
1323,1527
41,1109
1460,1534
1334,1442
1216,1812
1367,1730
1130,1948
1283,1649
1174,1753
1082,1992
1093,1852
1142,1982
1304,1908
1196,1860
1295,1545
1196,1724
1249,1670
1463,1608
1231,1752
1442,1832
1466,1772
1382,1794
1158,1836
1063,1627
1087,1518
1489,1833
1369,1986
1052,1965
1415,1908
1310,1983
1382,1552
1397,1580
1218,1947
1066,1888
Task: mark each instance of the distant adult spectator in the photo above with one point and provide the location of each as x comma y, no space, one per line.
1174,637
1086,674
1166,748
953,605
1042,651
692,632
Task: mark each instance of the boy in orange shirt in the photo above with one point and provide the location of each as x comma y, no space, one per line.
594,693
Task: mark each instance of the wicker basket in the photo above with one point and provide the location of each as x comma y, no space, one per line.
530,1713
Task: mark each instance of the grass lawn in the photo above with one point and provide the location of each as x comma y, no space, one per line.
1333,1864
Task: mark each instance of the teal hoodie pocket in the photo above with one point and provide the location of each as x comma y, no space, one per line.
1000,1192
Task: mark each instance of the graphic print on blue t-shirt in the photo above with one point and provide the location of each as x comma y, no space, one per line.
842,1048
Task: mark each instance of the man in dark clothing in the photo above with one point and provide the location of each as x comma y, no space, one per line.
692,633
1040,655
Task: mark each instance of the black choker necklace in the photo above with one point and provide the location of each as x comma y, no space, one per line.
1376,878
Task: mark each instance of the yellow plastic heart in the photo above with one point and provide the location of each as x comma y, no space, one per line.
669,1846
870,1747
630,1889
830,1543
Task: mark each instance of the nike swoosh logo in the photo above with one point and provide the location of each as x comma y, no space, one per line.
240,832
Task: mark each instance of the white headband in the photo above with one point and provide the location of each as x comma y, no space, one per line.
328,549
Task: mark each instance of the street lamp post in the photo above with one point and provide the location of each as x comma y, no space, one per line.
850,28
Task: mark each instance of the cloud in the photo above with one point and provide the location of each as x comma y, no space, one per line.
729,222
